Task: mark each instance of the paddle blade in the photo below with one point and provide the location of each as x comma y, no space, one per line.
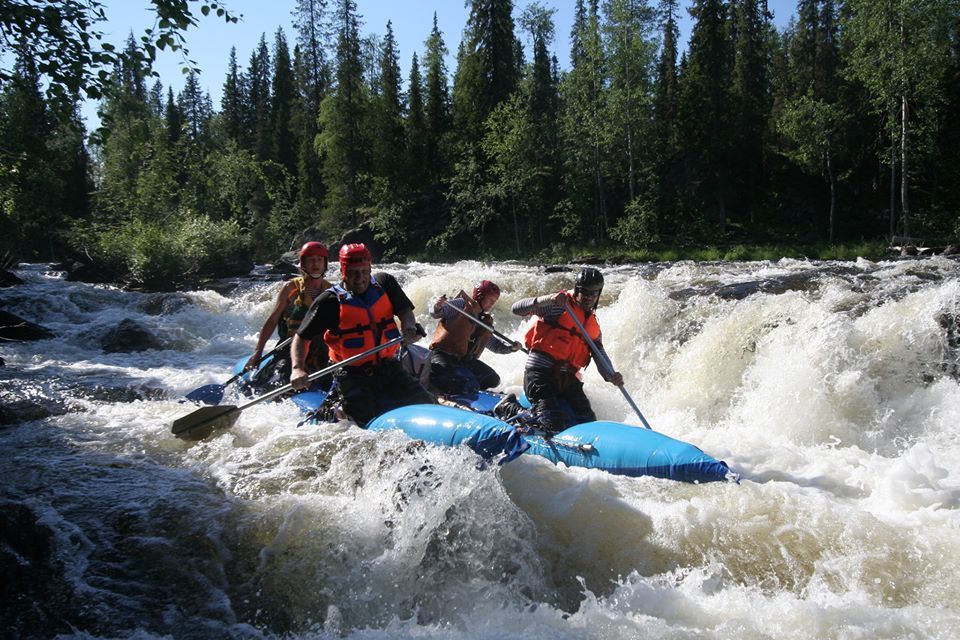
207,394
204,421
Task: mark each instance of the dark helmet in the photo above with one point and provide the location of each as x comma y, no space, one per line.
354,255
485,288
313,249
589,278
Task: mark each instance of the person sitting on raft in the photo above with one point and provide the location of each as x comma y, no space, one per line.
455,365
558,351
351,318
295,297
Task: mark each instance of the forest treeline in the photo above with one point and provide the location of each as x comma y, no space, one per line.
842,126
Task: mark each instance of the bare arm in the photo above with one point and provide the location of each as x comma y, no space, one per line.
408,326
298,357
283,301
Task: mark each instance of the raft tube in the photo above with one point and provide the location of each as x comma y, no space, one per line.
609,446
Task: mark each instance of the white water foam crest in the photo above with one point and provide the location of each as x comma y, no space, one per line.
830,386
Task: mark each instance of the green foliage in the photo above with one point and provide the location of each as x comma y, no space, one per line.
632,151
64,37
638,228
165,255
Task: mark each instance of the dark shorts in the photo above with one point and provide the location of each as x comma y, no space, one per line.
370,390
452,375
557,398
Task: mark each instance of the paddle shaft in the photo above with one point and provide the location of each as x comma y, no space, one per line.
604,361
319,374
280,346
483,324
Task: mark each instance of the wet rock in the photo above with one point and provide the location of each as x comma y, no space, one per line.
7,279
908,250
94,273
556,268
360,235
283,267
740,290
951,250
37,598
16,329
19,411
101,393
165,304
127,337
587,259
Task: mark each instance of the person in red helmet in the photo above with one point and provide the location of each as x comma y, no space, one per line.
295,297
351,318
455,367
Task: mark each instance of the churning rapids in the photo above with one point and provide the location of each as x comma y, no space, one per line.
832,388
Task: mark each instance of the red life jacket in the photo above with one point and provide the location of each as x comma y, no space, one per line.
362,327
561,339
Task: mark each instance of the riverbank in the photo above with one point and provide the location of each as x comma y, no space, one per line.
615,254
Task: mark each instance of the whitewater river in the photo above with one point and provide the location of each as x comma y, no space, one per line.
830,387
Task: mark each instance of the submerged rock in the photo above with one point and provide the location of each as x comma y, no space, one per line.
7,279
16,329
127,337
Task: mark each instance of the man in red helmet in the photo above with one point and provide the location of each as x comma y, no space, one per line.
351,318
295,297
455,350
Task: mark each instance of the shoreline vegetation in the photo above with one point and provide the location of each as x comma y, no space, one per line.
813,141
170,270
743,252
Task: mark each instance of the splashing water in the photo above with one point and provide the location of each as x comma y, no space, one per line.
831,387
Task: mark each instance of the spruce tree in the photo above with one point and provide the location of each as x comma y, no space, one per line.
437,106
584,131
257,109
232,101
29,184
487,72
281,106
313,79
750,101
705,116
416,130
389,146
341,141
665,108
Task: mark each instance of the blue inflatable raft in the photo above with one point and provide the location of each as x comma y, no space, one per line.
613,447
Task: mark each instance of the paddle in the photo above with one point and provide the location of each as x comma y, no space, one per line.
213,393
483,324
203,421
604,361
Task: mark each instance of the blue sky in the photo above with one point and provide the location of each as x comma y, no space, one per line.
209,43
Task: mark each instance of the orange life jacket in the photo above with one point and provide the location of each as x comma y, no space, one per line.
561,339
459,336
362,327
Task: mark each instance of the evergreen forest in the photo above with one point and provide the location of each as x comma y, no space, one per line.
843,126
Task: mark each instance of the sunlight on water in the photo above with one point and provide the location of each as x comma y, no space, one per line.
831,387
